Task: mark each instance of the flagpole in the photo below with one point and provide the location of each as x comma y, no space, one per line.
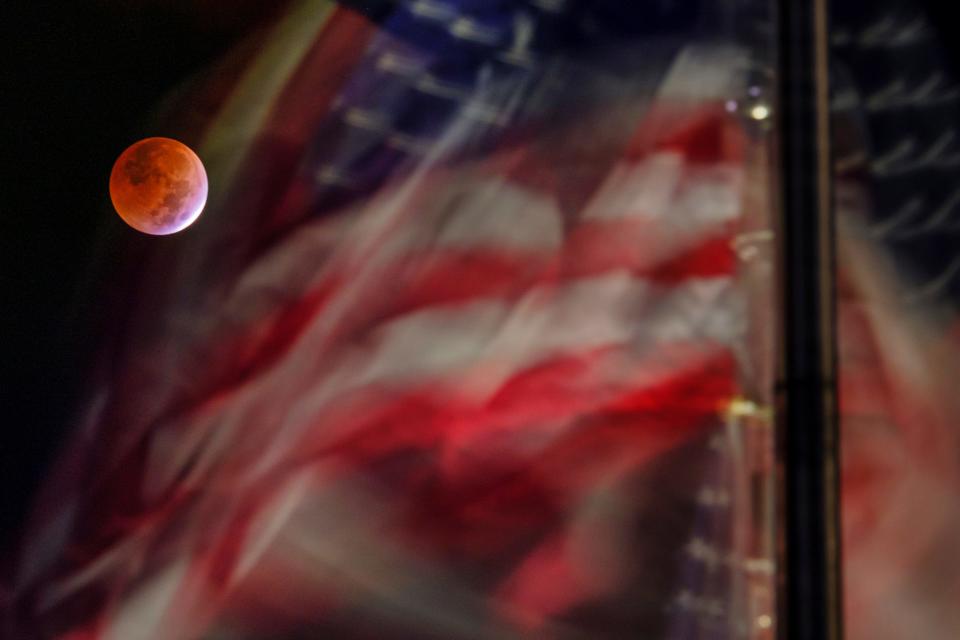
809,594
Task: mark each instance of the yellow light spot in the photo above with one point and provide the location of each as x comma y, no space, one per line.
760,112
743,408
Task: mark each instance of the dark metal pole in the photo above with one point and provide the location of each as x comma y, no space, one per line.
810,597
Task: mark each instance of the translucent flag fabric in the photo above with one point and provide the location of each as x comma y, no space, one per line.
470,343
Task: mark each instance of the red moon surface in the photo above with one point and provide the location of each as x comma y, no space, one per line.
158,186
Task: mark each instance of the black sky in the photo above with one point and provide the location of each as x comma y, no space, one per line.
80,82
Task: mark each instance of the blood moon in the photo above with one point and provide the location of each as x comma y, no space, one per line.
158,186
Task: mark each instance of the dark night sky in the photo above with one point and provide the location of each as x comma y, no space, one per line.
81,83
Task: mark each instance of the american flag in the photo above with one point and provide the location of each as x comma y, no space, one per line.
464,285
895,109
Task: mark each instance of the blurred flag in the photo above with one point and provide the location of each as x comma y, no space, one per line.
458,295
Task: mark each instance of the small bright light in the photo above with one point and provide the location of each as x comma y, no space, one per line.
760,112
764,621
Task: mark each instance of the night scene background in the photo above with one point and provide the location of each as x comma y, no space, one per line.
89,79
